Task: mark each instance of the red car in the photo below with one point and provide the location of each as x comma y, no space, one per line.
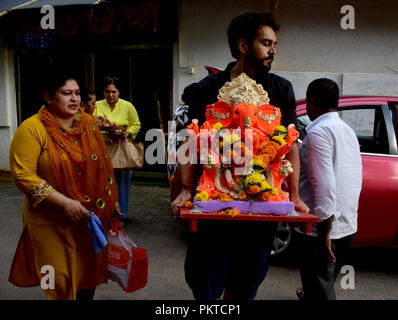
375,121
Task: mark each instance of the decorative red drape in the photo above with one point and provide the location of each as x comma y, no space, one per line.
99,20
67,24
32,25
137,16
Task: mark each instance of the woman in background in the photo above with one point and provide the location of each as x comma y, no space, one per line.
124,114
88,101
64,172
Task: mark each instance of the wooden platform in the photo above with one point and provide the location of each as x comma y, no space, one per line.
302,217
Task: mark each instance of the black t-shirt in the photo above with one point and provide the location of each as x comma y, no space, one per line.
280,92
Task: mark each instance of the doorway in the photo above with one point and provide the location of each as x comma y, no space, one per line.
145,73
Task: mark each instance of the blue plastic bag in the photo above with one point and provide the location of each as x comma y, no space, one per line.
98,233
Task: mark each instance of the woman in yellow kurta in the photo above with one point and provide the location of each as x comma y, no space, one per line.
60,162
121,112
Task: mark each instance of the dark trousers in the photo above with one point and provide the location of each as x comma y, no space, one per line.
317,275
85,294
232,255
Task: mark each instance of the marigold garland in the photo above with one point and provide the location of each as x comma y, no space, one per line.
242,195
279,139
265,185
225,197
258,163
254,179
268,151
230,212
252,190
264,196
188,204
280,131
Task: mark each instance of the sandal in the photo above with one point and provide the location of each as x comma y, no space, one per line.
300,293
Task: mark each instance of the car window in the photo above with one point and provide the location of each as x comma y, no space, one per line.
360,120
369,125
367,122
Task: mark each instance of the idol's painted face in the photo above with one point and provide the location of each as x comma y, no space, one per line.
111,94
263,49
65,102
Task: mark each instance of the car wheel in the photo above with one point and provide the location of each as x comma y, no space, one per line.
282,238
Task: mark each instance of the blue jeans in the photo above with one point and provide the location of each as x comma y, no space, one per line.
123,181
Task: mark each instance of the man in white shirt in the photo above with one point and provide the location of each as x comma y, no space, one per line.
330,184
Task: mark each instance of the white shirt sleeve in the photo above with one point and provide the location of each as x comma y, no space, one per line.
321,174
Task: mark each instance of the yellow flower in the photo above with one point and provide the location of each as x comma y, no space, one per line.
274,191
230,139
279,139
202,196
265,186
253,179
258,162
218,126
280,131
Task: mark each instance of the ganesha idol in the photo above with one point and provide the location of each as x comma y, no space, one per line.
242,148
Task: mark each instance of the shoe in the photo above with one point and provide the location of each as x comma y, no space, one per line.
300,293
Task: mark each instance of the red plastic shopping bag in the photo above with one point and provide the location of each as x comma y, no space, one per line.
127,263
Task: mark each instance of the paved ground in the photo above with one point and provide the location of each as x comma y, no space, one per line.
154,228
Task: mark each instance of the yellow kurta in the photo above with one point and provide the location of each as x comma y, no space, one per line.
123,113
49,238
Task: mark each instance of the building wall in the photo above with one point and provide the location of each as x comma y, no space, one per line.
311,42
8,107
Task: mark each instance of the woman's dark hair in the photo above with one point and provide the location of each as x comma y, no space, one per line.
112,80
245,26
324,92
85,95
56,78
